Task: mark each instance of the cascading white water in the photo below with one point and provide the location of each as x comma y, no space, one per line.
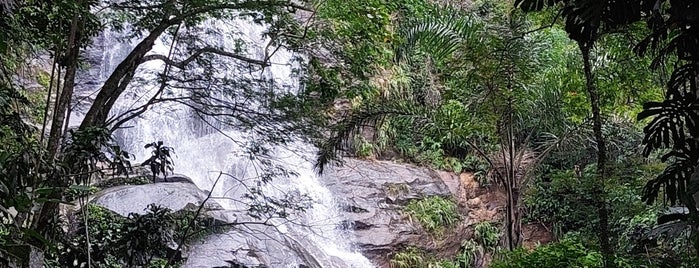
202,154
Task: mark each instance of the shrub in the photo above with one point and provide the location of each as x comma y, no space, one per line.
409,258
363,148
566,253
487,235
118,241
433,212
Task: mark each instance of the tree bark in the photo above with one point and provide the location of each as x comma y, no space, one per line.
120,79
49,208
71,64
599,191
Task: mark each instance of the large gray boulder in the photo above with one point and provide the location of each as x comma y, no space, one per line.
176,196
254,243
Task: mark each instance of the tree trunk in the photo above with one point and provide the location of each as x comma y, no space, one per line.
599,191
49,209
63,101
120,79
510,162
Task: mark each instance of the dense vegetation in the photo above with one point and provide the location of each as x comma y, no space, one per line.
582,112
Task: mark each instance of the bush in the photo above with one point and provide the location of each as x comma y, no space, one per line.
566,253
433,213
487,235
408,258
118,241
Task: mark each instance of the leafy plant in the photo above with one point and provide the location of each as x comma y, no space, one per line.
487,235
118,241
160,161
566,253
146,236
363,148
411,257
433,212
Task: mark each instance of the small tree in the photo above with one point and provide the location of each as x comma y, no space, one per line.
160,161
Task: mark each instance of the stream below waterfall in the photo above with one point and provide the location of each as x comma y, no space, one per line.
313,238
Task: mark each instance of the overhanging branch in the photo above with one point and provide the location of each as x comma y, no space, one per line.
183,64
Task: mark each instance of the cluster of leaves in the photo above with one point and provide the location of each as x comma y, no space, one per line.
573,252
139,239
487,235
87,149
433,213
566,253
413,257
563,198
50,22
410,257
363,31
471,253
160,161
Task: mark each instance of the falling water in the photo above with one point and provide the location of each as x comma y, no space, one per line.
202,154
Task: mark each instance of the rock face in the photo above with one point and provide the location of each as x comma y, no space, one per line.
174,178
373,194
258,245
176,196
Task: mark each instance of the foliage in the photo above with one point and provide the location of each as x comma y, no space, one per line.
363,30
566,253
87,149
470,255
563,198
105,229
146,235
363,148
672,37
433,213
486,235
139,239
160,161
410,257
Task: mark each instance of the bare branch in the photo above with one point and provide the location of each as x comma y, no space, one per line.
183,64
193,220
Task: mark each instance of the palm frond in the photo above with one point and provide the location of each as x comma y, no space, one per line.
372,114
438,35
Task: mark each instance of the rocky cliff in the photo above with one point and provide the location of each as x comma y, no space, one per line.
374,193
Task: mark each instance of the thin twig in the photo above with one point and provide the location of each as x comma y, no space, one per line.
193,220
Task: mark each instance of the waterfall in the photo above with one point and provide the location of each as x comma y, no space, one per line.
202,153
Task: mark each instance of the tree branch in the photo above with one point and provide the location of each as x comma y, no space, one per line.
244,5
183,64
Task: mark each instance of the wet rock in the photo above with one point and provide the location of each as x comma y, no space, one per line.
176,196
373,193
255,244
174,178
